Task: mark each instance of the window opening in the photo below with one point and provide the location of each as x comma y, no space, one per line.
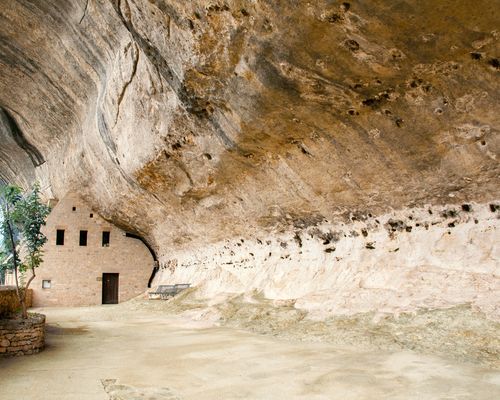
60,237
46,284
83,238
105,239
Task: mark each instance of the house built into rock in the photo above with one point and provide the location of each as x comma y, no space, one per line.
88,261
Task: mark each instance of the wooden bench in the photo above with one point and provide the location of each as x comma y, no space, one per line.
166,291
169,292
175,290
160,290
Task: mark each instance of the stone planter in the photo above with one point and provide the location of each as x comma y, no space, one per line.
22,336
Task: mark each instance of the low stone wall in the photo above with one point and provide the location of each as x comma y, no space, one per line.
22,336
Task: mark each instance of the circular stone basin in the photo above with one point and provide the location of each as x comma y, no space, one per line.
22,336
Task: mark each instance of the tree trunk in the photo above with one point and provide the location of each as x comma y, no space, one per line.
25,292
20,296
22,300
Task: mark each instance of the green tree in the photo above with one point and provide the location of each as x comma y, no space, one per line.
21,239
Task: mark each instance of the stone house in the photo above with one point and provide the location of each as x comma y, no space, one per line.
88,261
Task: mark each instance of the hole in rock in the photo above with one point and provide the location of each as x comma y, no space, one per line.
352,45
369,102
495,63
449,214
466,207
334,18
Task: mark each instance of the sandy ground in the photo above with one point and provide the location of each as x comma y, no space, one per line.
138,350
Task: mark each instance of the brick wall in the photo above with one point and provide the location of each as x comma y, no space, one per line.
75,272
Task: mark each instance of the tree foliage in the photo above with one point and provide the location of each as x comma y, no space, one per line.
21,239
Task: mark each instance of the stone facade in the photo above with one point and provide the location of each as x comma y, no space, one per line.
74,272
22,336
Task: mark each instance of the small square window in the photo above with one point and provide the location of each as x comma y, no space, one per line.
91,215
74,208
46,284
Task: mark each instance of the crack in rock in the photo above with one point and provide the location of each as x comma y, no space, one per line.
195,105
84,11
135,61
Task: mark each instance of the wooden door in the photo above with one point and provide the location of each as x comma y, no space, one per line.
109,288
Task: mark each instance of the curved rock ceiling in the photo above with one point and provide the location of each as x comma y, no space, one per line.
194,121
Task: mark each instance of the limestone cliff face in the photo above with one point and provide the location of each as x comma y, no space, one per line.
193,122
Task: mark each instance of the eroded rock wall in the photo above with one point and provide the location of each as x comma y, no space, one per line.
430,257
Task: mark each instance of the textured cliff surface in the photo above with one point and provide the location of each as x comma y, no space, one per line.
198,122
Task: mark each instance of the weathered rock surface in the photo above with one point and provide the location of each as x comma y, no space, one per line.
194,123
399,262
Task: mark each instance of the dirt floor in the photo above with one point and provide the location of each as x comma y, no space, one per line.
246,347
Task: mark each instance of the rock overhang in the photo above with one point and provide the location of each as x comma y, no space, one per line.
194,122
